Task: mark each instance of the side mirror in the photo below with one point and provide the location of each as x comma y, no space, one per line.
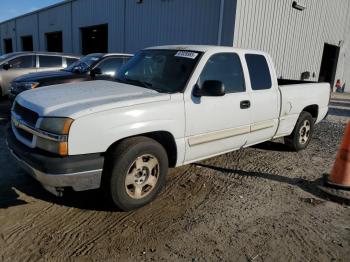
6,66
96,71
210,88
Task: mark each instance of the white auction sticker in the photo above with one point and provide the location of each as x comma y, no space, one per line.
186,54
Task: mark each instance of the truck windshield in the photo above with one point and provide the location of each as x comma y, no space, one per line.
166,71
84,64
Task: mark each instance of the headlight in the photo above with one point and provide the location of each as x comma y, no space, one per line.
56,125
59,148
56,138
30,85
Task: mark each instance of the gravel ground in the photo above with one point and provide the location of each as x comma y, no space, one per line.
256,204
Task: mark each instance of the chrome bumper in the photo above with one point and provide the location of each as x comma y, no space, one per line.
55,183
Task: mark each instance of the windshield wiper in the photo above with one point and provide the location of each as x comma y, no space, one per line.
141,83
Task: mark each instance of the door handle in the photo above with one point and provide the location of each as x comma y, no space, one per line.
245,104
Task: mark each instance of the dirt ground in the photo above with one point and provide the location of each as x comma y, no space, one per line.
256,204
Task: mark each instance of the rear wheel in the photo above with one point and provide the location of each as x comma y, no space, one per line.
302,133
138,167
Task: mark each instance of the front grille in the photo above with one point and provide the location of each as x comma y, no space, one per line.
24,134
16,88
26,114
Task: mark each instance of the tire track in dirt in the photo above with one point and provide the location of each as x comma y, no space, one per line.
18,230
142,222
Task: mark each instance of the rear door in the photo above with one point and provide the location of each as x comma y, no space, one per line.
19,66
265,98
218,124
49,63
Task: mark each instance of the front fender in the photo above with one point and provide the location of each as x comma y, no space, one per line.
95,133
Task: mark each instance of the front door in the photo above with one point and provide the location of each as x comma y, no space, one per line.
18,66
219,124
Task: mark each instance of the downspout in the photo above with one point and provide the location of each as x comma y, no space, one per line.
38,28
222,7
124,28
71,27
16,35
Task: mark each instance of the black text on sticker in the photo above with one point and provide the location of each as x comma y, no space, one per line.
186,54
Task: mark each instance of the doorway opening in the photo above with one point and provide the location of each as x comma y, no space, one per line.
94,39
8,46
54,42
27,43
329,64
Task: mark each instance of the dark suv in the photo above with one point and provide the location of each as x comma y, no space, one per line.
90,67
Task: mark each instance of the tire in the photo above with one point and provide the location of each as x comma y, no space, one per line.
136,172
302,133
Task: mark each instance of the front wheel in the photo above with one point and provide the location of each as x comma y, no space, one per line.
137,173
302,133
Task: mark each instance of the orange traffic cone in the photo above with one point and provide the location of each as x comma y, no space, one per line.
340,175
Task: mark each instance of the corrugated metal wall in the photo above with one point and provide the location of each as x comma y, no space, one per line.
92,12
27,26
55,20
167,22
346,58
8,30
295,39
131,26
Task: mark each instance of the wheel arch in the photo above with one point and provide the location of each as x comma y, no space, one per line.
313,110
165,138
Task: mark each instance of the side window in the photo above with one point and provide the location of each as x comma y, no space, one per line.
259,72
227,68
50,61
111,66
71,60
23,62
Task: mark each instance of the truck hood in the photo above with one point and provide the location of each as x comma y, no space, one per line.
78,99
48,75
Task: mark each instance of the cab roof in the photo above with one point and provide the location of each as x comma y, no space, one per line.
204,48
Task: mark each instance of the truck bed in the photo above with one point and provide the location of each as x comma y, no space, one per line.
298,95
283,82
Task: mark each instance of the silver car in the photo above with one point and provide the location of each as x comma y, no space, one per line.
20,63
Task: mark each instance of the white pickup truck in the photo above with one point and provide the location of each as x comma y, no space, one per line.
169,106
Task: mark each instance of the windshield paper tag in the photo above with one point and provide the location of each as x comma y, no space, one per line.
186,54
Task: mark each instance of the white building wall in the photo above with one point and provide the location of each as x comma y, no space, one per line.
27,26
295,39
54,20
158,22
92,12
8,30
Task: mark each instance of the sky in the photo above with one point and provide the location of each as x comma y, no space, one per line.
13,8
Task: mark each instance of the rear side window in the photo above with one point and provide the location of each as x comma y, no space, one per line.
50,61
71,60
226,68
23,62
259,72
111,66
